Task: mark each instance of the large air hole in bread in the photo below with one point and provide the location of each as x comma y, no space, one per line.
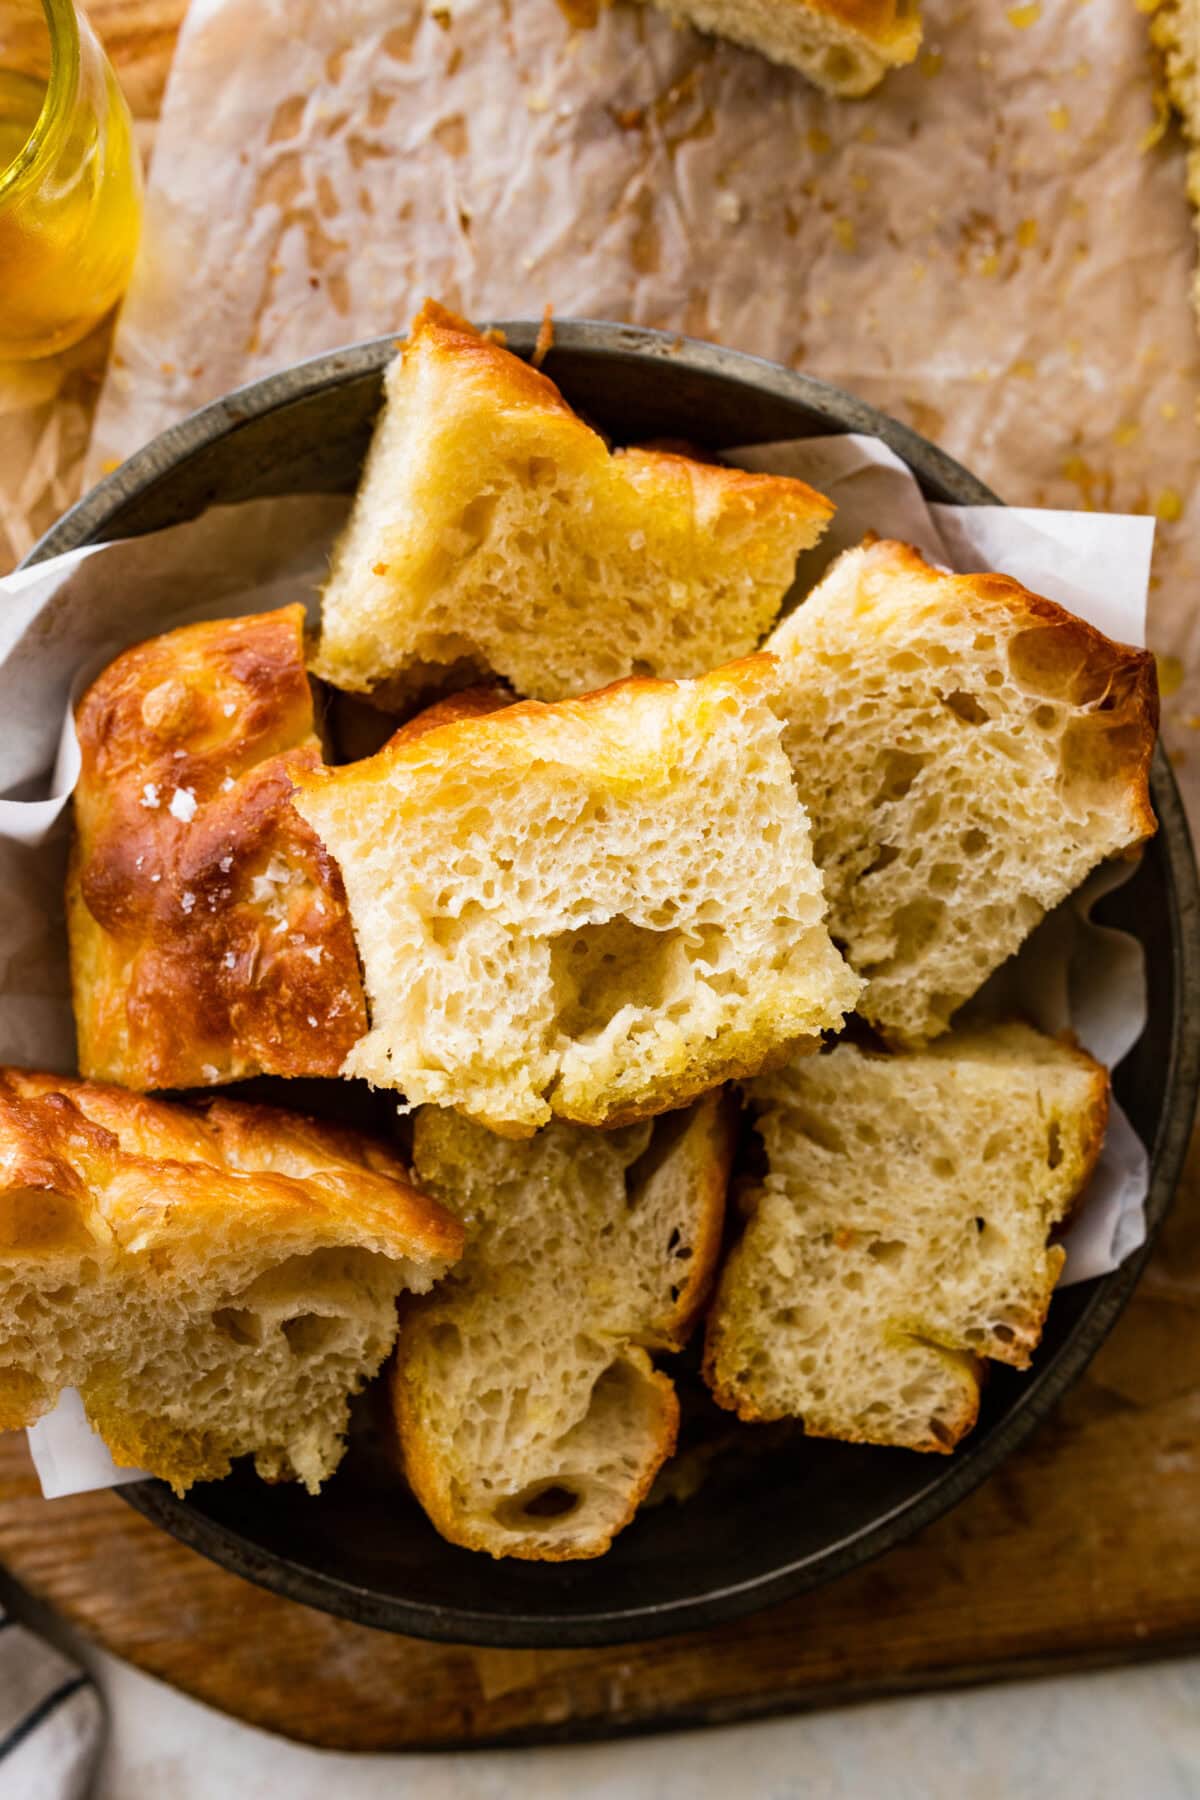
595,909
540,1502
531,1416
598,971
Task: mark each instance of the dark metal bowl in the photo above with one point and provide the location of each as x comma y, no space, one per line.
793,1513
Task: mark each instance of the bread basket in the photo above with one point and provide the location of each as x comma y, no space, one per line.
790,1512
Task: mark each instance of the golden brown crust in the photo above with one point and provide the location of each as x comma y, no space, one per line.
437,547
209,934
1096,1127
482,358
111,1171
734,1399
719,488
23,1400
726,1059
468,703
510,381
952,1428
1027,1335
135,1441
711,1165
428,1482
588,730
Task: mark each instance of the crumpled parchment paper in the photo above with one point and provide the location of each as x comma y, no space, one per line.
60,623
995,245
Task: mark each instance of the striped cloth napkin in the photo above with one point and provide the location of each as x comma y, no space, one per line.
51,1719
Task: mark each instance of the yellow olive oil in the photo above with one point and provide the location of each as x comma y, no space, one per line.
21,99
70,210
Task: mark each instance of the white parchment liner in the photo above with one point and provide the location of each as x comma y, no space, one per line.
61,622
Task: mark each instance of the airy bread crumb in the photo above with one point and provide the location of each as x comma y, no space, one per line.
597,909
967,752
902,1231
494,531
216,1283
531,1417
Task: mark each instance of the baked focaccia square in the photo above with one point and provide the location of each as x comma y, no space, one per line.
208,927
904,1231
531,1417
844,46
495,532
596,909
216,1282
968,752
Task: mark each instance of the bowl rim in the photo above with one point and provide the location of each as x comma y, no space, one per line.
88,518
943,478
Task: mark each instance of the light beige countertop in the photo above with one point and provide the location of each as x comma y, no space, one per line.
1131,1734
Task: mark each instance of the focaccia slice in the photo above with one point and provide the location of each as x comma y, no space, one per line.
216,1282
968,752
903,1231
531,1417
494,531
597,909
844,46
208,927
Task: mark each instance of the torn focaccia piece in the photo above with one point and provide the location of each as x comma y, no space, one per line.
531,1417
216,1282
597,909
844,46
967,752
494,530
903,1231
208,926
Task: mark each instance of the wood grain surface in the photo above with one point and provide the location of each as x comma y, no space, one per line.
1082,1550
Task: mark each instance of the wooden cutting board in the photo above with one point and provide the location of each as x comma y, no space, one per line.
1082,1550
